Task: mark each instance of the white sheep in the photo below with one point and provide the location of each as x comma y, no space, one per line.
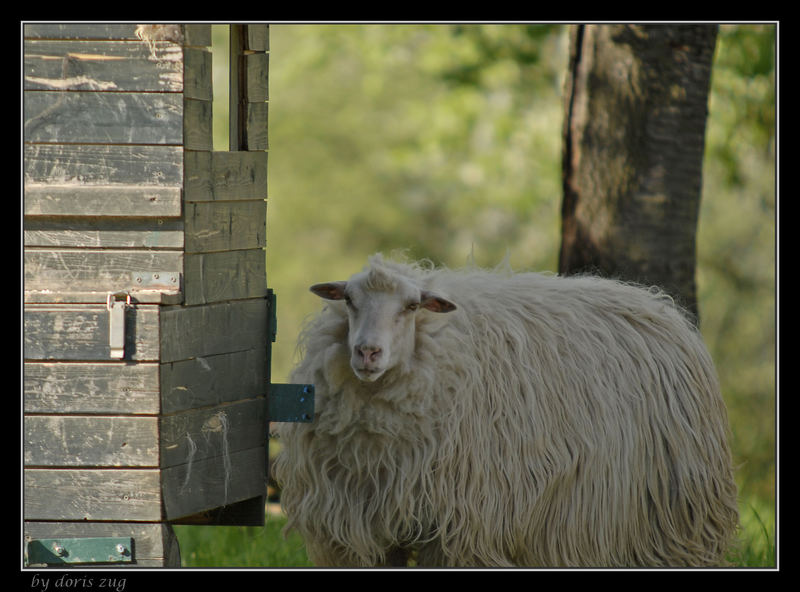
542,421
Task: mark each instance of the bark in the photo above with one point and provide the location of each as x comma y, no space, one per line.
634,135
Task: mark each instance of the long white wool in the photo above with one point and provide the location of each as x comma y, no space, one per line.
546,422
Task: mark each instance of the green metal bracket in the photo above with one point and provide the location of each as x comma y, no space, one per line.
291,402
287,402
79,550
273,325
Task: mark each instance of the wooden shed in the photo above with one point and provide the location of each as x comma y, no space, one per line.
147,318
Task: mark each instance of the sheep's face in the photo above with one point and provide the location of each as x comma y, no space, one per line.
381,314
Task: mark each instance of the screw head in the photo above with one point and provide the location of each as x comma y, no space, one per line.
121,549
59,550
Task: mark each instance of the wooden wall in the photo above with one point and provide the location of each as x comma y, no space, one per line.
124,193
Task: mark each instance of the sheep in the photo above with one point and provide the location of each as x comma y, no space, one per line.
489,418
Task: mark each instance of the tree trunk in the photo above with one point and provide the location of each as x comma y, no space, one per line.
634,135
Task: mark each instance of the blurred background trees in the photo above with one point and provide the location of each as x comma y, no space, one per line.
440,140
445,141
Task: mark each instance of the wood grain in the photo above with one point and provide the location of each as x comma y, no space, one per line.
92,494
112,388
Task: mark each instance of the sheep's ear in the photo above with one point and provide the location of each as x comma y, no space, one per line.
329,291
436,303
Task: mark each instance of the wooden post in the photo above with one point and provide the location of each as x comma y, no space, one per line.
249,63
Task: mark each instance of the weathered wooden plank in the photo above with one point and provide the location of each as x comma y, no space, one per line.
99,65
74,199
198,72
194,35
105,270
103,117
96,232
99,164
212,176
197,35
206,484
155,545
117,387
198,434
211,380
256,132
92,494
71,332
257,67
80,31
214,277
225,226
138,297
198,331
198,125
257,37
198,181
249,512
91,441
239,175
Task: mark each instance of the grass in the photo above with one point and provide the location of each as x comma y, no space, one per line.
756,542
265,546
241,546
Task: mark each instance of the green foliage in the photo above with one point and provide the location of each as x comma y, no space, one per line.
443,141
736,246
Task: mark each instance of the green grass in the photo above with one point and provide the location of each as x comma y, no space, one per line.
265,546
756,542
241,546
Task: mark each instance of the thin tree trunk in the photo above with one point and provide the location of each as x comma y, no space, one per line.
634,136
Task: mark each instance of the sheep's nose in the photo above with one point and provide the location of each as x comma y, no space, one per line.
368,354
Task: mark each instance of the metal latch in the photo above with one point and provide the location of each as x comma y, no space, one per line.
116,305
79,550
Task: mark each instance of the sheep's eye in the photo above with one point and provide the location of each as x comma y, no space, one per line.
413,306
349,302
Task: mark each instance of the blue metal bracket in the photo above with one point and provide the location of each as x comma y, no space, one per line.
290,402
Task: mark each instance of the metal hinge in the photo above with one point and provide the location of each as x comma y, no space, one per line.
290,402
287,402
79,550
156,280
273,316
